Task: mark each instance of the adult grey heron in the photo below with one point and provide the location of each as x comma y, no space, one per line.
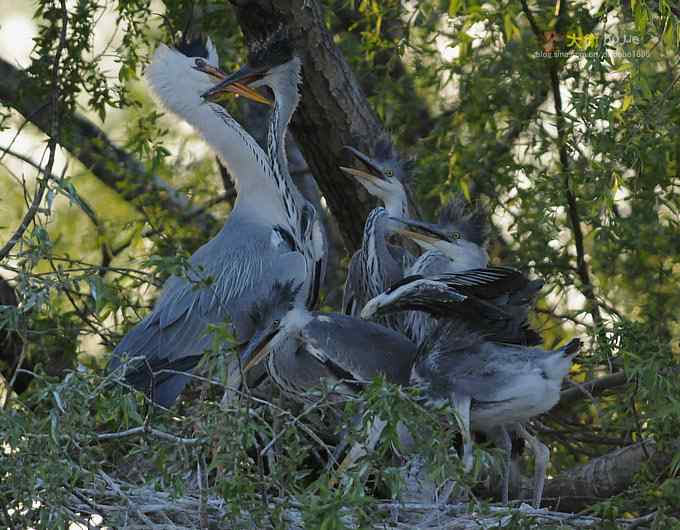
493,388
231,273
378,263
274,64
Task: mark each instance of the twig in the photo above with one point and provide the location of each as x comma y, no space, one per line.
145,429
572,208
51,144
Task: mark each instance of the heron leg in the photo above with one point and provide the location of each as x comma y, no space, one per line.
360,450
501,438
461,405
542,458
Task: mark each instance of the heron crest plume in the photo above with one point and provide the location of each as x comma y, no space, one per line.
282,297
198,46
466,218
272,49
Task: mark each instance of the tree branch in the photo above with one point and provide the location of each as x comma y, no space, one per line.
53,126
603,477
146,429
592,388
94,149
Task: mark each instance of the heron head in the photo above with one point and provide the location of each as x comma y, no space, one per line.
384,175
470,220
272,319
180,75
429,236
273,63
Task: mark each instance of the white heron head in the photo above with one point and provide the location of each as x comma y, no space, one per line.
178,76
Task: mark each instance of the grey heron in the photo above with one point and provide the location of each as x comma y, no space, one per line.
338,348
378,263
456,244
341,349
273,63
493,388
233,271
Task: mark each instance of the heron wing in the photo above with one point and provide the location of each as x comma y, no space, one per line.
351,302
225,280
360,348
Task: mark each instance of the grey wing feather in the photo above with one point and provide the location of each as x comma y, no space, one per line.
176,328
351,304
361,348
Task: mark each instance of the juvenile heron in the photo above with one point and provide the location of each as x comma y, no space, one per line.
493,388
456,244
340,349
274,64
378,263
237,268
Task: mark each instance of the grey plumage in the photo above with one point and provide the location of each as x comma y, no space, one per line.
493,387
374,267
378,263
333,347
228,275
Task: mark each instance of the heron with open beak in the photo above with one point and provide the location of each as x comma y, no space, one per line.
274,64
378,263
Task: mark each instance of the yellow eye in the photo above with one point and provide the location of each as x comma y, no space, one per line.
455,235
389,173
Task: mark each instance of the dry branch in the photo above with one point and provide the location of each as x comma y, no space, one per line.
144,506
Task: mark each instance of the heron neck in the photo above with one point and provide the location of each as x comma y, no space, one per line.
397,205
375,252
283,110
244,159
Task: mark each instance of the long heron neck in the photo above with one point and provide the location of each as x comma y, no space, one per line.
283,110
244,159
375,252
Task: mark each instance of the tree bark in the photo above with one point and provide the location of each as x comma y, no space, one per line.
334,110
603,477
95,150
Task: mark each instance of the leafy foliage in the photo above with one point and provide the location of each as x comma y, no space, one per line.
576,155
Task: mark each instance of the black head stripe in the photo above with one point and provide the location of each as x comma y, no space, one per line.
194,47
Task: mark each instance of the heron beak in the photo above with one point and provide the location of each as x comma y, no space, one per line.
258,349
419,231
217,73
238,83
374,175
